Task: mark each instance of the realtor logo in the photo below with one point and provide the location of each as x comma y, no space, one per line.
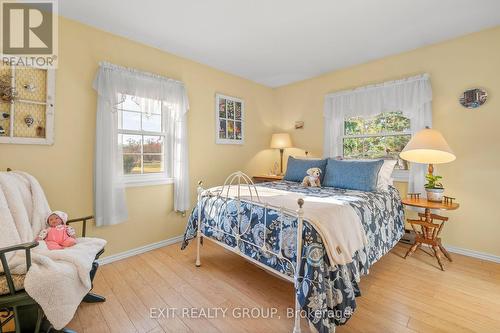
29,33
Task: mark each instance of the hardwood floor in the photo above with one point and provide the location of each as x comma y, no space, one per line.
398,295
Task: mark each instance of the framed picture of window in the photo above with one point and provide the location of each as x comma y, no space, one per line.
229,120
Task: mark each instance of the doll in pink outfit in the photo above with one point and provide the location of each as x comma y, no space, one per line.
58,235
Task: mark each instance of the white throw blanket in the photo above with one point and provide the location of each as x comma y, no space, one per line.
337,222
58,279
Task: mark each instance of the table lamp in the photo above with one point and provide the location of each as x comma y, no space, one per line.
281,141
428,146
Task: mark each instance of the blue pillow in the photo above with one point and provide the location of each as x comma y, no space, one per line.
352,175
296,169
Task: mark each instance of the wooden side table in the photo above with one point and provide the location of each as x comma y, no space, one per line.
266,178
431,226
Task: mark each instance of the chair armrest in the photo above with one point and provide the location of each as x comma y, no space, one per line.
82,219
27,248
23,246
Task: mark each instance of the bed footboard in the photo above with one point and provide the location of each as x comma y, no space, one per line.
239,187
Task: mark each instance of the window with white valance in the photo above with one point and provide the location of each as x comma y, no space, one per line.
376,122
141,138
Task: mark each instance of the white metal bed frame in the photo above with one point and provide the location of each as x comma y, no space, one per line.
239,179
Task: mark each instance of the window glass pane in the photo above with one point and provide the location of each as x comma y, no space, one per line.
369,145
372,126
131,143
353,126
387,147
141,153
374,147
151,122
353,148
387,122
131,164
155,106
149,106
130,120
391,122
153,163
394,145
130,103
153,144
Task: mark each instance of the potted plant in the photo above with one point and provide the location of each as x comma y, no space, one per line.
434,188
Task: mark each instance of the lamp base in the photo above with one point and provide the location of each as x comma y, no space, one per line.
281,162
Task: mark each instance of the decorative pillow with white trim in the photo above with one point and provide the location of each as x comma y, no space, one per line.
385,175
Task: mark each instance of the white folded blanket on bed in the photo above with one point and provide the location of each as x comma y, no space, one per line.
337,222
58,279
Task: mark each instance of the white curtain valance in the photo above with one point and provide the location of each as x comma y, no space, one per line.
411,96
113,78
406,95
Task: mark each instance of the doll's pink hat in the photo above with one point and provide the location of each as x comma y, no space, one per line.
62,215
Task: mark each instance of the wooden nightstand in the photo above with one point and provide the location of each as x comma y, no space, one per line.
429,229
266,178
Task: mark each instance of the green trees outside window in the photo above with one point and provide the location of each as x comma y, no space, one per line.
383,136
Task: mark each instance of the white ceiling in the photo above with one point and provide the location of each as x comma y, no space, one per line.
276,42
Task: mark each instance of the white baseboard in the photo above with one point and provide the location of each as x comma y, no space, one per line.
474,254
177,239
139,250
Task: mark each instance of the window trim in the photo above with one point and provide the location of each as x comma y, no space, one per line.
147,179
138,180
376,134
398,175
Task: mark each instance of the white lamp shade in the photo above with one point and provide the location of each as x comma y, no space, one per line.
281,140
428,146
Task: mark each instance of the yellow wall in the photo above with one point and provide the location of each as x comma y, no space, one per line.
470,61
65,169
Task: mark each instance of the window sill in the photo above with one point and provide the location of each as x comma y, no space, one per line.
145,180
400,175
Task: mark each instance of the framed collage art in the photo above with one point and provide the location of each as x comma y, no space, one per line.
229,120
27,97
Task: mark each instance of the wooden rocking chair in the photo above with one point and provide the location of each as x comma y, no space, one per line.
17,305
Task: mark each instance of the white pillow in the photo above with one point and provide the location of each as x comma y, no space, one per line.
385,175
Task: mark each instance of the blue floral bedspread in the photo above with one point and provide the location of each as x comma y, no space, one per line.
327,291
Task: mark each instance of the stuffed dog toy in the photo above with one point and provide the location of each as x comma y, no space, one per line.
312,178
